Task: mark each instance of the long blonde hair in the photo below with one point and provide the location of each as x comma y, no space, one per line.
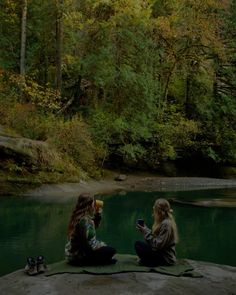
82,208
161,211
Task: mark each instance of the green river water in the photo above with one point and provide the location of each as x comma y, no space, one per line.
30,227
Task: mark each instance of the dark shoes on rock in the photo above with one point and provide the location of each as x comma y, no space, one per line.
41,266
35,266
31,268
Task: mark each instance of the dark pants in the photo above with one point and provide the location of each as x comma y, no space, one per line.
147,255
101,256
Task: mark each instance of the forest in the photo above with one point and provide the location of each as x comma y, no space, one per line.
121,83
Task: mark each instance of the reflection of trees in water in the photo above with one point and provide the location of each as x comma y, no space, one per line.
205,233
40,220
31,228
119,220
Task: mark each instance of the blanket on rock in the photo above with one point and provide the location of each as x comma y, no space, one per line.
125,263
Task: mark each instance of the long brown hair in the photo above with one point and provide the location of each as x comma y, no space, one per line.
161,211
82,208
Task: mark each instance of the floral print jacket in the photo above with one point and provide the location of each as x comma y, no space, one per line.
83,240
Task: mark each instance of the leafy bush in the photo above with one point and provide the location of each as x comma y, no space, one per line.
70,137
73,139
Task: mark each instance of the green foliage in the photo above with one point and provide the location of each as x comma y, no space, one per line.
145,138
172,138
119,134
73,139
29,108
9,34
161,8
153,80
70,138
219,129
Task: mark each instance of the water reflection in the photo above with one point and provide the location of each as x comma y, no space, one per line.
205,233
31,228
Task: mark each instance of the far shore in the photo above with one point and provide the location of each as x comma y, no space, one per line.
150,183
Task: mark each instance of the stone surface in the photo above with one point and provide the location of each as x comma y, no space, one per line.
26,152
121,177
217,280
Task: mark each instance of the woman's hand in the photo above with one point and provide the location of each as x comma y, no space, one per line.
97,219
142,229
99,210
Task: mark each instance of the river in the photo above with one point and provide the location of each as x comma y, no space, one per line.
31,227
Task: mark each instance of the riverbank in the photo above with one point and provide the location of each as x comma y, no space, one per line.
150,183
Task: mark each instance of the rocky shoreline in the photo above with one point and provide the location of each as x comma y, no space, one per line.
149,183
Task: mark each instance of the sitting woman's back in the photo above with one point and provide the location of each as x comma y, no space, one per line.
82,246
160,241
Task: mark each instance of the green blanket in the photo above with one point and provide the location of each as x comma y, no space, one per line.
125,263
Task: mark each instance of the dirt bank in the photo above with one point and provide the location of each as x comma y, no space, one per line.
63,192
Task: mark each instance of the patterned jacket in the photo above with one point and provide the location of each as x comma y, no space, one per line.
83,240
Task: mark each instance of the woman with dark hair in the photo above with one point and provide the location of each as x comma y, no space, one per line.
82,247
160,241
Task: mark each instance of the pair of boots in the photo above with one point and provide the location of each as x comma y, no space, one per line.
35,266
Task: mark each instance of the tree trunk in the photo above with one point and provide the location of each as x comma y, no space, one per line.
23,36
187,97
59,33
166,89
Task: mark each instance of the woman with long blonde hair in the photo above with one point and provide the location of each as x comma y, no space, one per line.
160,241
82,247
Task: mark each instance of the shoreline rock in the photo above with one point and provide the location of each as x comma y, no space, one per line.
217,279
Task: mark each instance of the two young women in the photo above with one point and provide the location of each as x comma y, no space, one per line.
83,248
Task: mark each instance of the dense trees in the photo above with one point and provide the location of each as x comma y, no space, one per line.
154,80
23,37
